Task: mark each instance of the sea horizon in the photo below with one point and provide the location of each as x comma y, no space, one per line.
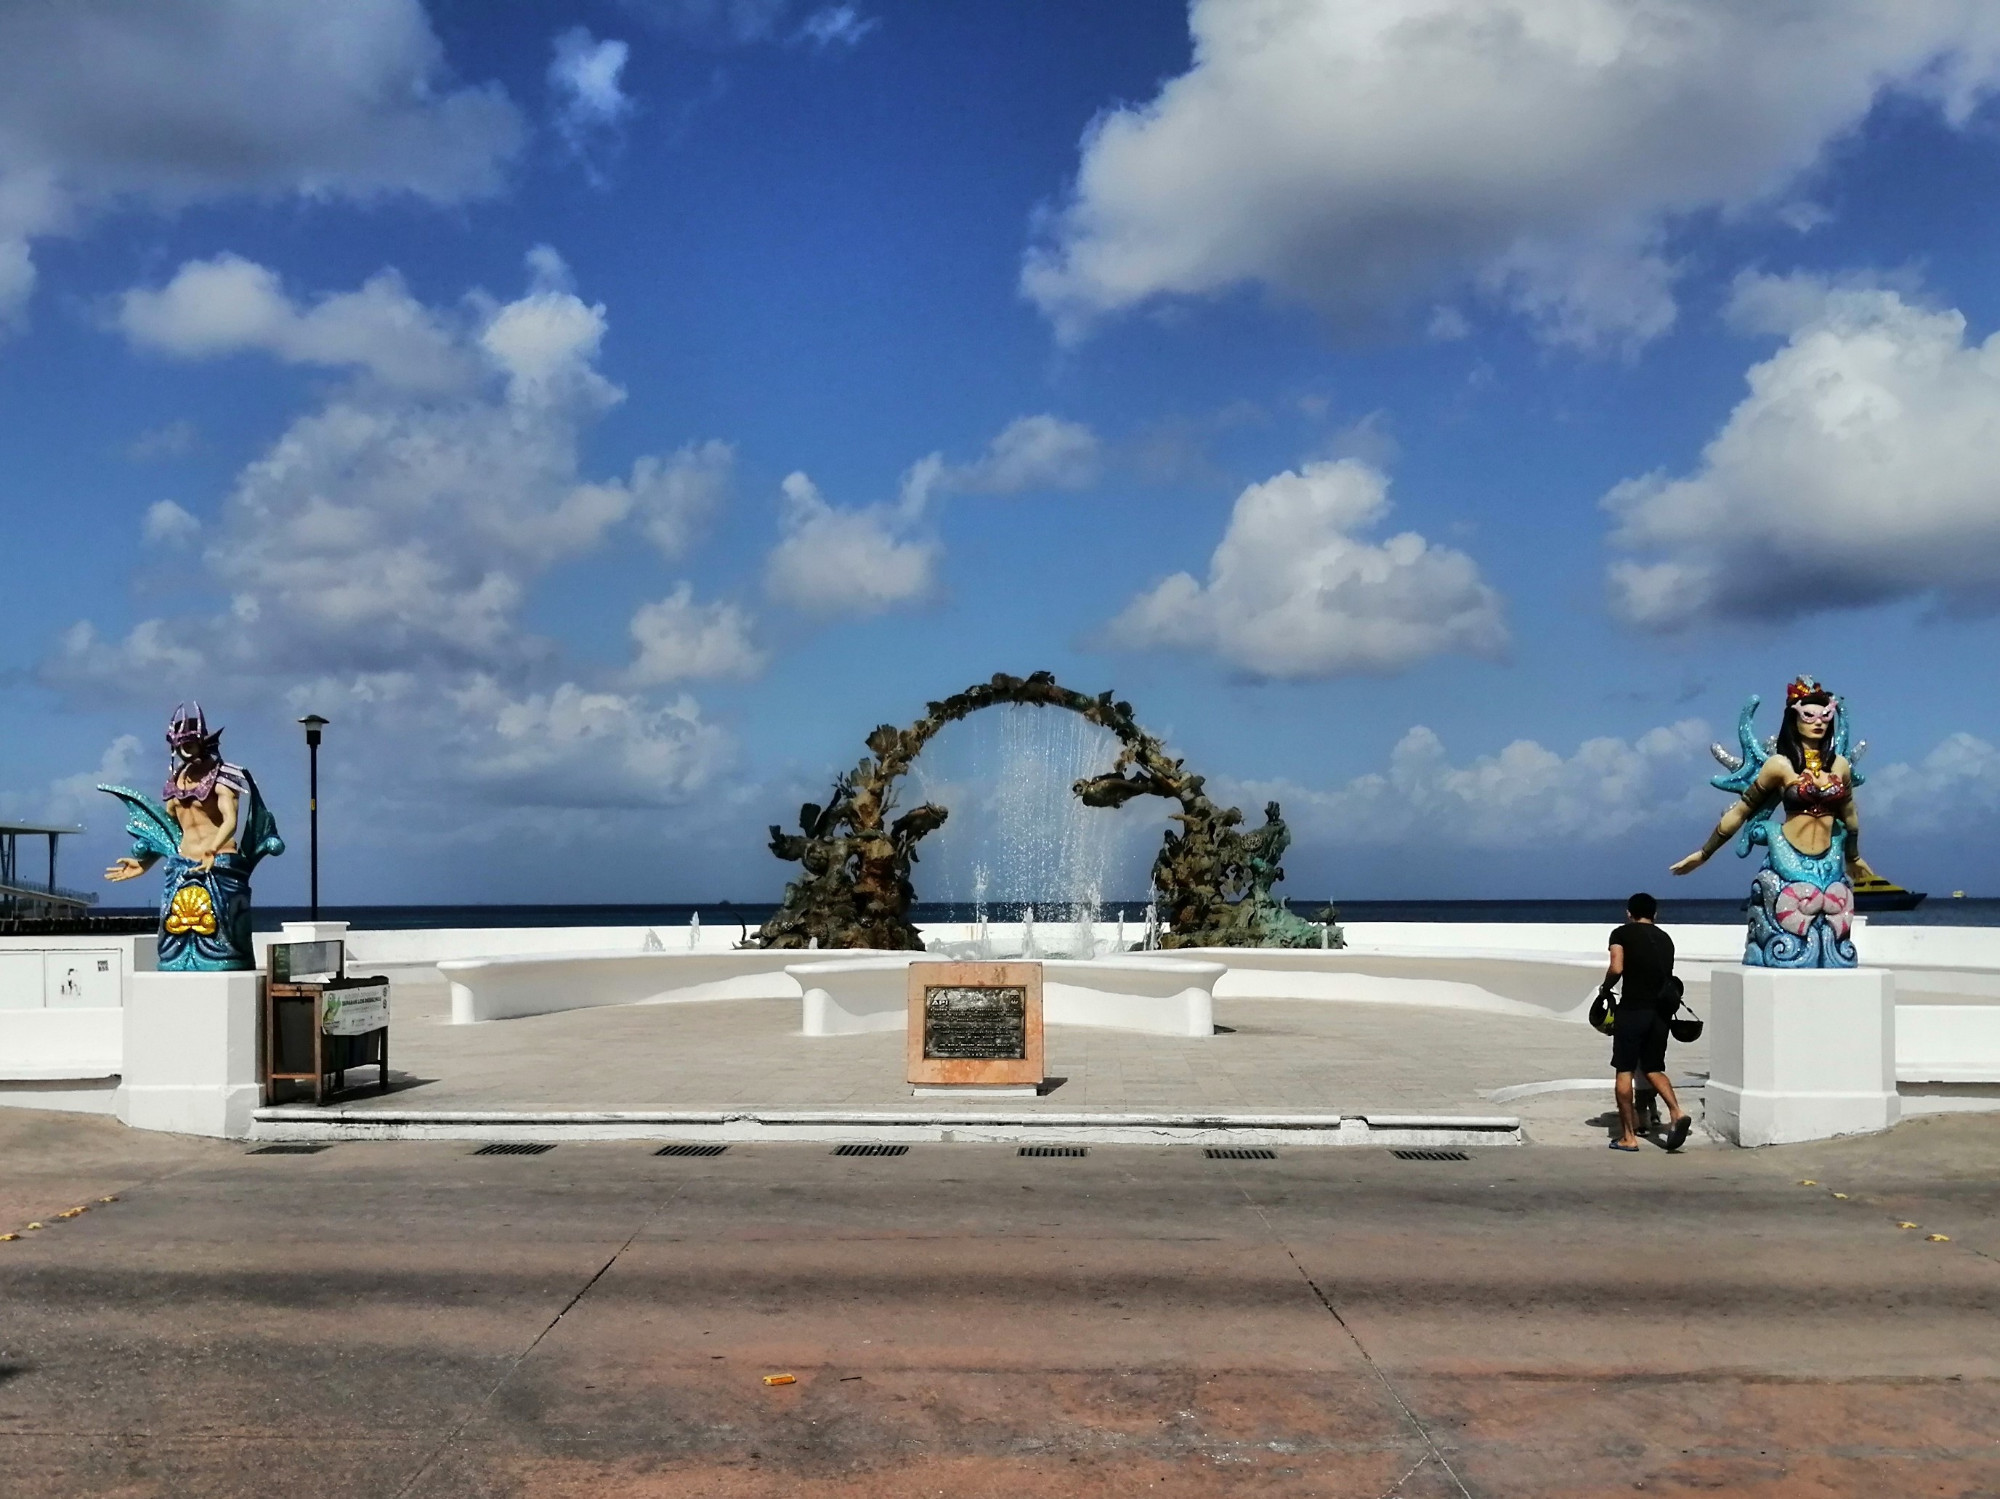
1982,911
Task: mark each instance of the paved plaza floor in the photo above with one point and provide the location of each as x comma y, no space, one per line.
1269,1055
409,1320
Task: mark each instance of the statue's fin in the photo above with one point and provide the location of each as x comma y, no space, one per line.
1742,768
1840,744
1723,758
153,830
260,828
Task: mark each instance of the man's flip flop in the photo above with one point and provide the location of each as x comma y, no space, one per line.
1678,1135
1632,1148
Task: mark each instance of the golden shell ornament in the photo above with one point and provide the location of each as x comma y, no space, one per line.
191,911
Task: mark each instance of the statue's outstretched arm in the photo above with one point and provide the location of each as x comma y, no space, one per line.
1769,784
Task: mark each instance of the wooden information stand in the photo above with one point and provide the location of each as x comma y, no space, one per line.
975,1025
318,1022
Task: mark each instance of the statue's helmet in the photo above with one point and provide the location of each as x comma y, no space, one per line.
188,736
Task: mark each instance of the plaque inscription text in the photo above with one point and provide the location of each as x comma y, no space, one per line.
963,1022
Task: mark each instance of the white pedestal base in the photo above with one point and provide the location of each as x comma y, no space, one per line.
1801,1054
975,1090
191,1053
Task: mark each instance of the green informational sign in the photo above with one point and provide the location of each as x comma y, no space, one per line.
354,1011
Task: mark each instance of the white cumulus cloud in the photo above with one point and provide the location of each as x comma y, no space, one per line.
591,104
1859,468
176,101
72,799
1525,796
1029,453
1956,783
372,564
1293,592
1365,155
680,640
576,747
230,305
168,524
833,561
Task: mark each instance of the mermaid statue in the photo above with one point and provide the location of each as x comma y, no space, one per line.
1795,796
212,828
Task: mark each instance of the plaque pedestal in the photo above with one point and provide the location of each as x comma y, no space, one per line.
1801,1054
975,1028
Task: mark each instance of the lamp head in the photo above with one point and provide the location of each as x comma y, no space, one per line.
312,724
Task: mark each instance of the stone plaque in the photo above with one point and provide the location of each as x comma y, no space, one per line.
974,1023
965,1022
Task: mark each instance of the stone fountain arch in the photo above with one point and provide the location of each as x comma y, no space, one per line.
1214,880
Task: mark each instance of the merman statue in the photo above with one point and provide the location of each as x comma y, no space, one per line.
1795,795
212,831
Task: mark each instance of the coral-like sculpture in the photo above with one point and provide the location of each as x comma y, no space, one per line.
1214,880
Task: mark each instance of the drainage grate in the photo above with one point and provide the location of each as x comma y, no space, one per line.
871,1150
691,1150
514,1149
287,1149
1430,1155
1239,1153
1054,1150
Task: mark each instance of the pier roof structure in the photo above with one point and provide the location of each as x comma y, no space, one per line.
22,895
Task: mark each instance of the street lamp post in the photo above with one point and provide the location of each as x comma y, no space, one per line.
313,723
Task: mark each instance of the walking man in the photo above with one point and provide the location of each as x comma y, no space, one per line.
1643,956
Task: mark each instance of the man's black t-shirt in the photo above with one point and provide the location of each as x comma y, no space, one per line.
1649,958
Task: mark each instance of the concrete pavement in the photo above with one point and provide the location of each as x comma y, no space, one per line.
1272,1055
410,1319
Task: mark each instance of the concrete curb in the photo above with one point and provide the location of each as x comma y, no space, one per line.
810,1126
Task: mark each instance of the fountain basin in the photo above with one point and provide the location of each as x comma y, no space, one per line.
1155,996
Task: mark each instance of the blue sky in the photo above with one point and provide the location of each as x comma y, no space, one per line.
1437,416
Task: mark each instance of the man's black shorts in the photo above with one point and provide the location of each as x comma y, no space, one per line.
1639,1044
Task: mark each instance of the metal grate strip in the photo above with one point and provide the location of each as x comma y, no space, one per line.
1046,1150
691,1150
871,1150
1239,1153
514,1148
1430,1155
288,1148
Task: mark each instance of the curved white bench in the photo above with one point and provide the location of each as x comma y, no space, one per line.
509,988
1156,996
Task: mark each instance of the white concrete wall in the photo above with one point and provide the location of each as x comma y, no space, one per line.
62,1004
1888,946
1547,940
396,949
1948,1043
